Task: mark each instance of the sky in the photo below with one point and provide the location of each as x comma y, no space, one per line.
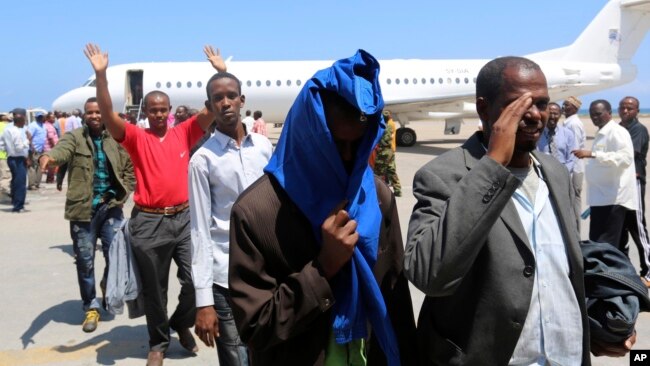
43,40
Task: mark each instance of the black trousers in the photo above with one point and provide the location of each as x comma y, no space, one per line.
156,240
636,227
606,226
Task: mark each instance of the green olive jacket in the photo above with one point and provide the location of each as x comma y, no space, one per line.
77,150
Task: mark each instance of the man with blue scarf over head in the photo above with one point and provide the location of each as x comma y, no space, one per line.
315,244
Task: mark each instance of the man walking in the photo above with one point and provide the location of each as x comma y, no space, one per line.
100,179
160,221
570,108
493,241
227,163
557,140
628,109
39,138
315,246
16,139
611,178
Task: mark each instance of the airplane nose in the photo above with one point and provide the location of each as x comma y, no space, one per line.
73,99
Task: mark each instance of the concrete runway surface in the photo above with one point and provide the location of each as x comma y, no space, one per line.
40,306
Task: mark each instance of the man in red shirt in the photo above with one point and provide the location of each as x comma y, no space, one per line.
160,221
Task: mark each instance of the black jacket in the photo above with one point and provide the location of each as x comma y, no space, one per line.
615,293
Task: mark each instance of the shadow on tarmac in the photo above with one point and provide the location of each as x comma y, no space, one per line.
68,312
123,342
65,248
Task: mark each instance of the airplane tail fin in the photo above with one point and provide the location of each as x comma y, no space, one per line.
613,36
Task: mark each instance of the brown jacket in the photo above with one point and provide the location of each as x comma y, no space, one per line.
281,303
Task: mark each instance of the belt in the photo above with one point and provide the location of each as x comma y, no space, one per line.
167,211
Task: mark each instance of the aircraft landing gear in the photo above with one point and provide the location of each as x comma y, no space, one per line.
405,137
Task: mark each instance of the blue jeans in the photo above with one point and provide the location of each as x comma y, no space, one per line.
230,349
18,181
104,224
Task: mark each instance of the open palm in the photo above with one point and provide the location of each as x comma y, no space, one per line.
215,58
98,60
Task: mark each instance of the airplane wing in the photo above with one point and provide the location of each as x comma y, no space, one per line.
455,103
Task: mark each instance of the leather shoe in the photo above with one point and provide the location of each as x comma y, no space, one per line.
155,358
187,340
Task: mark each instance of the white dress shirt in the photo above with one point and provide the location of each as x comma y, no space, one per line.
552,333
611,176
219,172
15,141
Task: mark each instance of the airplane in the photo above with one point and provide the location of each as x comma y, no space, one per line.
413,89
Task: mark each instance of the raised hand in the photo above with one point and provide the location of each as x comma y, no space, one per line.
339,239
98,60
215,58
504,131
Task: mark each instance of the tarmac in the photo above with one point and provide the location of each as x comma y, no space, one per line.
40,305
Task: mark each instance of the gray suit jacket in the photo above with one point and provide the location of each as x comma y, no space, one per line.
468,252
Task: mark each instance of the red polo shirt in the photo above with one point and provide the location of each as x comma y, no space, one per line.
161,165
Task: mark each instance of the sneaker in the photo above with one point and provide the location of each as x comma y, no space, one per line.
90,323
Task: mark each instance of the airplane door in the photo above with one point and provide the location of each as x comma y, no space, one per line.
134,88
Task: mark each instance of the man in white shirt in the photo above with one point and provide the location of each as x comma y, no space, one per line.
248,121
16,140
611,177
570,108
227,163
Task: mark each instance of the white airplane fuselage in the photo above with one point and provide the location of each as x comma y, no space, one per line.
413,89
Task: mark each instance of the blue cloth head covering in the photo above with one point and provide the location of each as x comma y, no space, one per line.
308,166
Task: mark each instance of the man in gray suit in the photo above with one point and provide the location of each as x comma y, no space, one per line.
493,241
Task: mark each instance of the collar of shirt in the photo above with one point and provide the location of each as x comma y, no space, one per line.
224,139
608,126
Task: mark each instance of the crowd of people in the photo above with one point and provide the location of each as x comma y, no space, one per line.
293,255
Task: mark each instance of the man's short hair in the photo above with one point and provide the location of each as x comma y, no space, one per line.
155,93
221,75
608,107
638,104
91,100
489,82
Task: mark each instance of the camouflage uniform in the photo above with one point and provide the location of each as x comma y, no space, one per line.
385,160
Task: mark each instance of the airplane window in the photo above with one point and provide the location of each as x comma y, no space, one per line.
288,82
397,81
158,85
406,81
466,81
189,84
388,81
474,80
258,83
457,80
448,80
179,84
278,83
440,81
432,80
199,84
268,83
415,81
169,85
424,81
298,82
248,83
